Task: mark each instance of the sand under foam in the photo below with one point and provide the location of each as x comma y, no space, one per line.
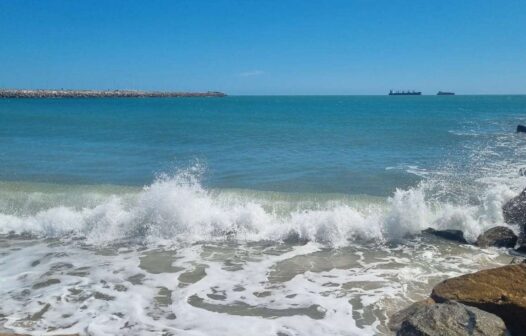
222,288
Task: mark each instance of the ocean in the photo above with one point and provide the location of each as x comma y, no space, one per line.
264,215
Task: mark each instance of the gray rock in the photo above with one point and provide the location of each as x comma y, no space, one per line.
517,261
514,210
454,235
522,243
396,320
499,236
294,238
451,319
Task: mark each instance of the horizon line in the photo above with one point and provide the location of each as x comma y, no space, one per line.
253,94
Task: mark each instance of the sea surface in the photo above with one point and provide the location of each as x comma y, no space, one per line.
268,215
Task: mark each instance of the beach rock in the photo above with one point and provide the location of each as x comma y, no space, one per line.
521,243
514,210
517,260
396,320
500,291
451,319
454,235
499,236
521,129
294,238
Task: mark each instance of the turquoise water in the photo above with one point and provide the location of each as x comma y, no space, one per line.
245,215
347,144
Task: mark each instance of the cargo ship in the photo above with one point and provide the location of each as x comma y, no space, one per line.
405,93
444,93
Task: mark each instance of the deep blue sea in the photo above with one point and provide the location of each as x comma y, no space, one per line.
267,215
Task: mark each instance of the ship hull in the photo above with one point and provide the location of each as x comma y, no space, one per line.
406,94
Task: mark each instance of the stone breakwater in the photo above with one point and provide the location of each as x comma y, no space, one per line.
103,94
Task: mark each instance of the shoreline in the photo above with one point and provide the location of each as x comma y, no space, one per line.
104,94
491,301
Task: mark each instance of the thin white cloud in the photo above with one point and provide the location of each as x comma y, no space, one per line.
251,73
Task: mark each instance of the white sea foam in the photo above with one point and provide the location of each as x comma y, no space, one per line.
221,288
179,208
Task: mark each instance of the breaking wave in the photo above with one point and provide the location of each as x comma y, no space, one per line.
179,209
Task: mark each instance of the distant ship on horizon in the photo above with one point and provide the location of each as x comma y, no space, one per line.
445,93
404,93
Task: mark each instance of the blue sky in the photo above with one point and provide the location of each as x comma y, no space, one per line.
265,47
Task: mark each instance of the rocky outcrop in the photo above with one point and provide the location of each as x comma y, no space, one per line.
396,320
500,291
454,235
514,212
517,260
103,94
499,236
450,319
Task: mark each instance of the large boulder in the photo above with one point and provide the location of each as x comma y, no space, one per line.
396,320
522,243
514,210
451,319
517,260
499,236
454,235
501,291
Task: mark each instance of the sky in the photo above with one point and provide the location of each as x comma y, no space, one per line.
263,47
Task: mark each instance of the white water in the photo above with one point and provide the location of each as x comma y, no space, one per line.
177,258
220,288
178,208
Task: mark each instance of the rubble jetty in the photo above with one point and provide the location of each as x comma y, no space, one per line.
103,94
